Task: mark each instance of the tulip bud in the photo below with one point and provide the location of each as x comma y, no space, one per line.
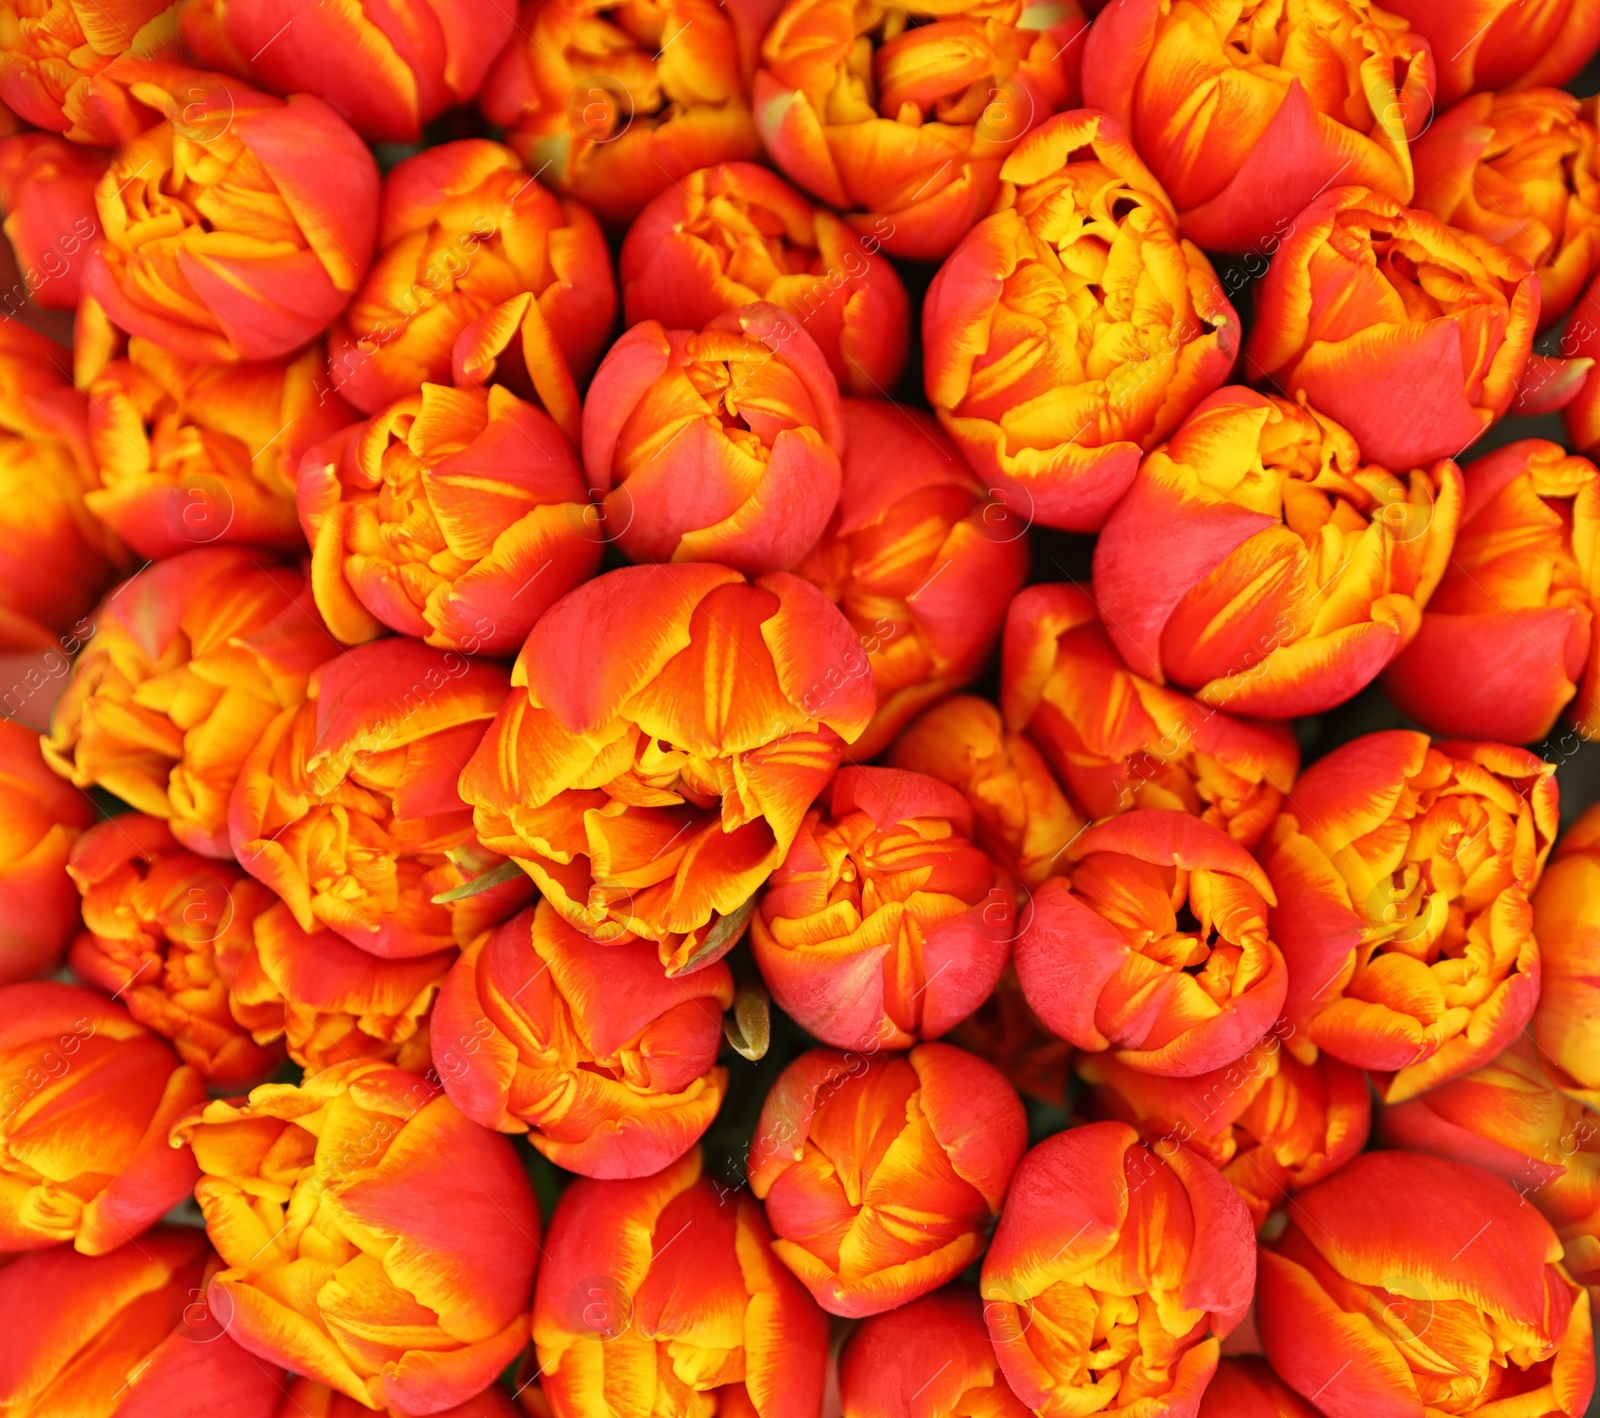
1247,1388
1340,557
47,194
1402,870
1073,327
1114,1274
376,1240
1566,916
1119,741
881,1173
1503,44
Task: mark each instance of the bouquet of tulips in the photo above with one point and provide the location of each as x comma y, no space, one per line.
799,708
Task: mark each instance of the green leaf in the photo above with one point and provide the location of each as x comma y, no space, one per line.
486,881
721,938
749,1025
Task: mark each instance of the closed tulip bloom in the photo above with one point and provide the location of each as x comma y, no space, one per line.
666,732
717,1327
387,70
1249,112
47,195
164,933
192,658
1114,1274
920,557
308,1399
1506,644
40,819
1370,302
1247,1388
237,228
885,924
1155,946
1402,870
66,1052
1269,1123
901,119
375,1240
617,104
1503,44
1405,1283
125,1335
608,1066
347,806
929,1359
465,234
455,515
1297,571
1120,741
194,454
1566,917
1074,327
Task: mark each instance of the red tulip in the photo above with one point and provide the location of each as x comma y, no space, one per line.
1504,44
1247,1388
47,194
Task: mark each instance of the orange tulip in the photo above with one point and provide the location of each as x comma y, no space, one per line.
1155,946
387,69
1004,1031
455,515
1504,44
1566,920
1113,1275
472,253
309,1399
920,558
1405,1283
929,1359
66,1054
1249,115
1257,560
1402,870
609,1067
884,925
1073,327
718,1326
1119,741
47,194
126,1335
881,1174
191,660
902,119
347,806
240,226
194,454
1020,815
666,732
1247,1388
619,103
1371,305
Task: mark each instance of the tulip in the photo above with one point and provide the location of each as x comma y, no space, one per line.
1408,313
40,819
1269,1123
615,104
884,925
1510,1119
1073,327
1402,870
347,806
1247,118
1406,1283
1155,945
469,244
1005,1032
308,1399
606,1065
386,70
47,194
881,1173
1247,1388
1119,741
239,227
911,167
67,1054
126,1335
1504,44
164,933
376,1240
929,1359
455,515
755,480
191,660
1113,1275
1566,917
920,558
666,732
1257,560
194,454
